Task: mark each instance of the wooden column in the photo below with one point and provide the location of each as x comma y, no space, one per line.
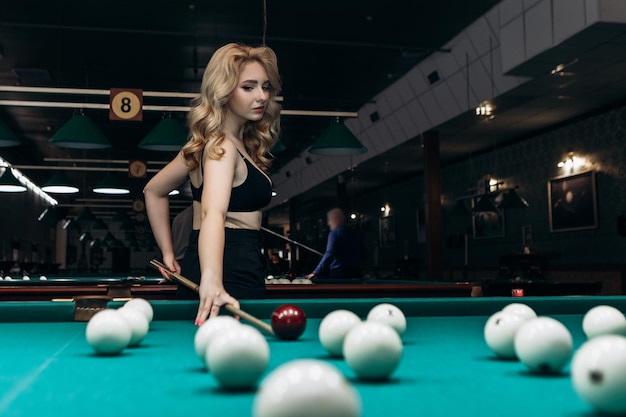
432,189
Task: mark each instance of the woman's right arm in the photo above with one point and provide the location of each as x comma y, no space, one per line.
156,194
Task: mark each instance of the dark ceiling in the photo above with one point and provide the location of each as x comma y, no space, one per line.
333,55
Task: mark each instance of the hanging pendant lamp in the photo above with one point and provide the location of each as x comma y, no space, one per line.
337,140
10,184
7,137
80,132
167,135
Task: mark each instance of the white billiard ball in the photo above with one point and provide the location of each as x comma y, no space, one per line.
388,314
333,329
522,310
108,332
270,277
544,345
238,357
43,278
208,331
1,278
306,387
372,350
499,333
8,278
139,324
143,306
599,373
602,320
26,278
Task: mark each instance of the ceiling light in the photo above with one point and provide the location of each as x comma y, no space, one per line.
7,137
80,132
59,184
168,135
484,109
10,184
111,184
337,140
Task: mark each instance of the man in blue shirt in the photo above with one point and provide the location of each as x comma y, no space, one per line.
343,250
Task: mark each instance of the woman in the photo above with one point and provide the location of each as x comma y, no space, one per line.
233,125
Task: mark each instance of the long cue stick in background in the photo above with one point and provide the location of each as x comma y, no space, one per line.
231,308
291,241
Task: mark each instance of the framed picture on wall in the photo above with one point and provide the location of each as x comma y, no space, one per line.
387,232
572,202
488,224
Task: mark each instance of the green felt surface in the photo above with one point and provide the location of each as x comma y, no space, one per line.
48,369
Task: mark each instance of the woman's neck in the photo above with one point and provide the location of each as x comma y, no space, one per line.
233,126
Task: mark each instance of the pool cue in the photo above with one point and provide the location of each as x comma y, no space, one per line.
231,308
291,241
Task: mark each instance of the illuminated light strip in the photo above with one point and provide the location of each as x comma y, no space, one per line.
98,92
26,182
102,106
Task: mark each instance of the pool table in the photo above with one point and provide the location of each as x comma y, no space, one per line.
60,286
446,369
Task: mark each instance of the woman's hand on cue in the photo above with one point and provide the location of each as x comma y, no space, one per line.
212,298
172,265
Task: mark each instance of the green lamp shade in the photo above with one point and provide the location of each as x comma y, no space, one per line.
337,140
59,184
511,199
50,216
484,203
80,133
7,137
85,216
111,184
168,135
72,224
10,184
99,224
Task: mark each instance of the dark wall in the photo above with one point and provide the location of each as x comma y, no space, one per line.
529,165
19,224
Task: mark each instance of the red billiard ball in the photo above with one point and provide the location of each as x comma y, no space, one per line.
288,322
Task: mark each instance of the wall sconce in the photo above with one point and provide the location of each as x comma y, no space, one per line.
572,163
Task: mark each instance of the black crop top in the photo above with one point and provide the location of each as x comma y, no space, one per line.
251,195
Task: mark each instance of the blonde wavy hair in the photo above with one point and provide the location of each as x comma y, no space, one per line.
206,117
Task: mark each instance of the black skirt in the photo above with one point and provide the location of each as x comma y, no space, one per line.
245,266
